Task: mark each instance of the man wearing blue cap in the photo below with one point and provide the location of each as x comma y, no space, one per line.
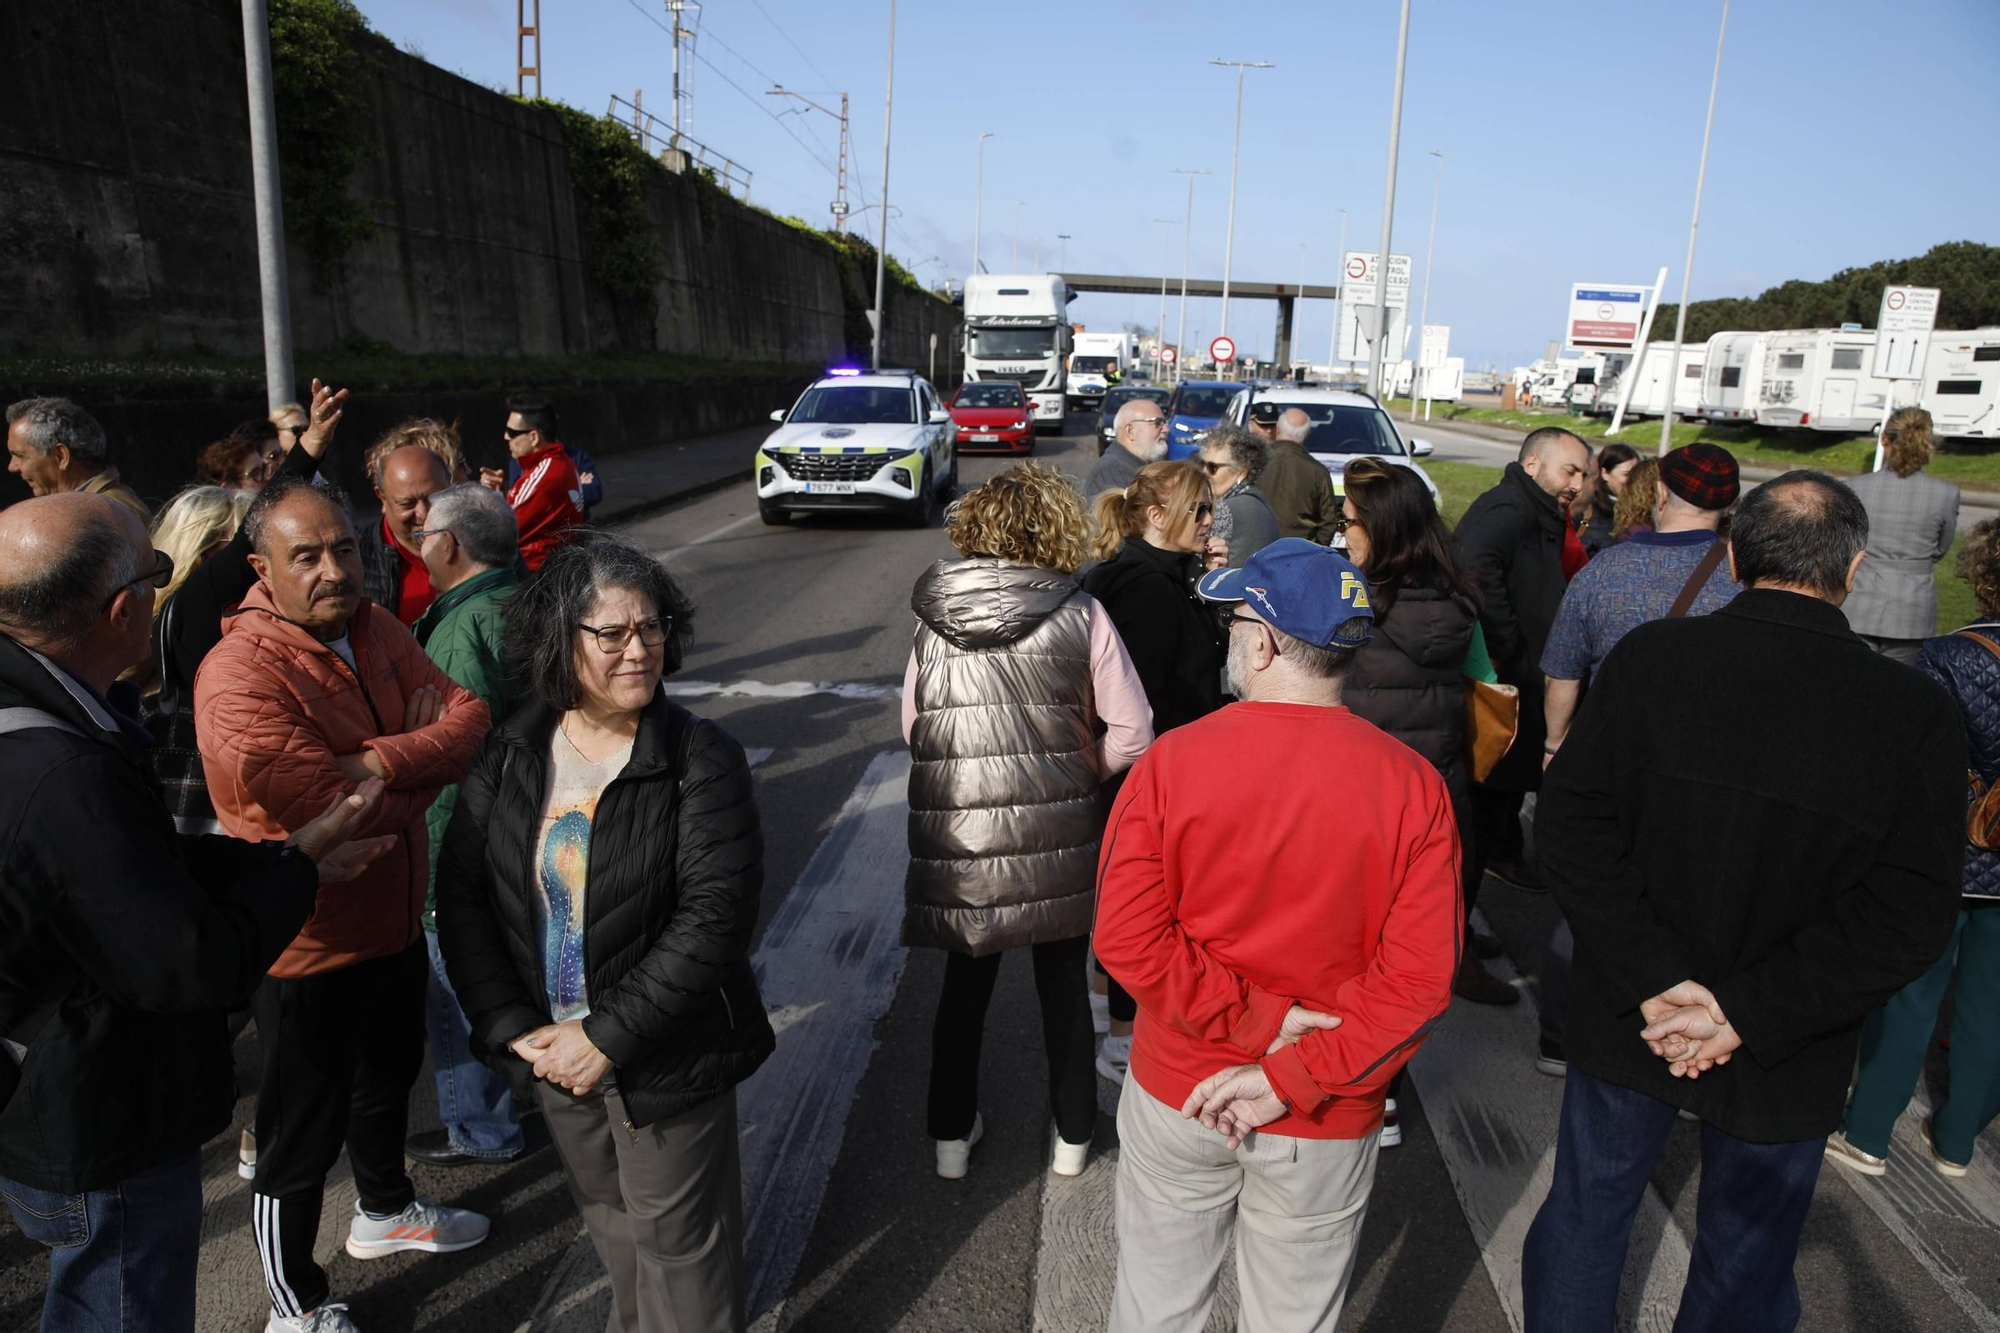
1279,890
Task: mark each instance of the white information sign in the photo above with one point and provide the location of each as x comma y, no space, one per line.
1903,332
1357,278
1436,345
1605,315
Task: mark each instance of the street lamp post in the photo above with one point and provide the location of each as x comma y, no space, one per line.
1333,335
1687,269
1062,262
1235,154
882,242
1166,252
1388,212
1015,263
979,198
1424,310
268,199
1187,240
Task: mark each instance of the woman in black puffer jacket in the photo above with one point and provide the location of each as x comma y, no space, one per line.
596,895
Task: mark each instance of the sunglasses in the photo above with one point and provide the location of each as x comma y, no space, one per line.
161,575
512,434
1205,507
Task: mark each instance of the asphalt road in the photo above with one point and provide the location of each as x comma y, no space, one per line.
801,635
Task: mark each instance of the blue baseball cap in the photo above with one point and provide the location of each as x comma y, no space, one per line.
1305,589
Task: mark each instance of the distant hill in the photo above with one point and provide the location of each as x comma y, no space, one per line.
1966,274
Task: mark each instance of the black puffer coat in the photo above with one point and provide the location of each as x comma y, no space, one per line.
1172,636
1409,679
676,866
1971,673
1513,535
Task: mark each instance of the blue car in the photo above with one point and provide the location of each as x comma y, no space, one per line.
1195,406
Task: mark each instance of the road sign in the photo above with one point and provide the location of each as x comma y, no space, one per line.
1357,278
1903,331
1435,346
1168,355
1357,330
1222,351
1605,315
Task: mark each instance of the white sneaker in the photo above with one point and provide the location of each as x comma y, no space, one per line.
1069,1157
954,1154
246,1155
326,1319
1100,1013
1114,1057
430,1227
1392,1128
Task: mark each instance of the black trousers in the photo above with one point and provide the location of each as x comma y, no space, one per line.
1066,1034
1494,835
341,1052
1118,1001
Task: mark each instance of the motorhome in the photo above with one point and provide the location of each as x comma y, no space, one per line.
1732,371
1016,329
1649,392
1819,379
1096,362
1962,384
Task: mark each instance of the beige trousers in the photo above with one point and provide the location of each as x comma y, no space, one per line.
664,1208
1294,1206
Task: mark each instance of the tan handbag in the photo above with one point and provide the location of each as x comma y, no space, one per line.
1492,719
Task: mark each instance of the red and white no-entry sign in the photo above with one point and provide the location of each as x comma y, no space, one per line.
1222,350
1167,355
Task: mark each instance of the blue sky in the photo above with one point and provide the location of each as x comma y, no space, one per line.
1846,132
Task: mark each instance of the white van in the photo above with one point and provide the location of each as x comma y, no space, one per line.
1732,370
1819,379
1649,394
1962,384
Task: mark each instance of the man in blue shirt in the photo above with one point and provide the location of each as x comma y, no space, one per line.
1623,587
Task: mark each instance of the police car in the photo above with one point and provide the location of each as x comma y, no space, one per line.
866,440
1345,426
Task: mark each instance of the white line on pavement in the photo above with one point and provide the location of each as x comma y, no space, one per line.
708,537
789,689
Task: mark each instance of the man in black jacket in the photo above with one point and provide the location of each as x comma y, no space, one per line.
124,941
1755,829
1513,536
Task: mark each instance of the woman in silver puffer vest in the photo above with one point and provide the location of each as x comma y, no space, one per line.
1018,702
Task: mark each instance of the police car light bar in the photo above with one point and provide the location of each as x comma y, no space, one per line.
844,371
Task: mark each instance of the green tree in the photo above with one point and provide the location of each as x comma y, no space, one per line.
321,51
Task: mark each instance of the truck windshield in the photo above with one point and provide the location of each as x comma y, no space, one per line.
1092,365
1341,429
857,405
1013,344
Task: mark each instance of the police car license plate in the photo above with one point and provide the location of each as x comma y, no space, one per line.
984,437
829,488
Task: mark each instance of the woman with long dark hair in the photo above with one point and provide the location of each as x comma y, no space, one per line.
1615,462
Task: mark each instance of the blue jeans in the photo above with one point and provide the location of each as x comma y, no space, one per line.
1751,1210
121,1258
475,1103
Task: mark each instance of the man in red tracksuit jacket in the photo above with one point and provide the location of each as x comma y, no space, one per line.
1279,890
547,497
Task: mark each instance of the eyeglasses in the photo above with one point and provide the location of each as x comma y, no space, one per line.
1235,620
160,577
417,535
1341,523
614,638
513,434
1161,422
1211,467
297,431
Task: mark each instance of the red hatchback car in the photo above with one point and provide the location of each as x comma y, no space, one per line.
993,415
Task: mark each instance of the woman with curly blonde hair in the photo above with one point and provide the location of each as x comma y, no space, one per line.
1912,518
1012,672
1636,500
1896,1039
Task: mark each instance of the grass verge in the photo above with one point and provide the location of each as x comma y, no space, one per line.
1460,483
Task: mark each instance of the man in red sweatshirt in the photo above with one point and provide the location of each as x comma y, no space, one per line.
547,497
1279,890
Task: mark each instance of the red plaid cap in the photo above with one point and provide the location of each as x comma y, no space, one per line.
1704,475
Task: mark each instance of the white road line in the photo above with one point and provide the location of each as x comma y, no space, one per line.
708,537
756,755
789,689
828,966
1495,1118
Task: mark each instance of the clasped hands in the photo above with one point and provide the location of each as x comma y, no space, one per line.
1686,1027
564,1056
1238,1099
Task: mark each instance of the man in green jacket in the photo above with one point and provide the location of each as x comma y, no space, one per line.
469,543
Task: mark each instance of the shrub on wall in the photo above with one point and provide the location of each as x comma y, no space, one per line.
608,169
319,56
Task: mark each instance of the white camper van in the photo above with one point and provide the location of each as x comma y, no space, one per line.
1732,370
1962,384
1649,394
1017,328
1818,379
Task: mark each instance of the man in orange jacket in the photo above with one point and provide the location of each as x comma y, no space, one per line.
1279,890
313,690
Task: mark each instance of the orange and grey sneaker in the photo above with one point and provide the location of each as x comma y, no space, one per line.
430,1227
1947,1168
1838,1149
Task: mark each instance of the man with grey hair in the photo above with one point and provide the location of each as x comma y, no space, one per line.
55,446
469,544
1298,485
126,941
1141,426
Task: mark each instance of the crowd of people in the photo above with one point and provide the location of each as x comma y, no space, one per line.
1195,736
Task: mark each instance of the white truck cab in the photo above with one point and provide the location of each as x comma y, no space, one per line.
1017,328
